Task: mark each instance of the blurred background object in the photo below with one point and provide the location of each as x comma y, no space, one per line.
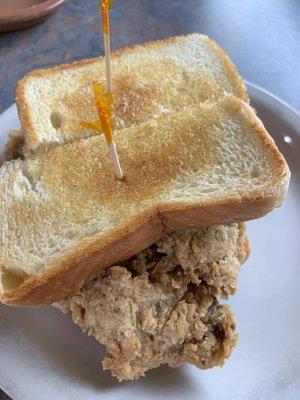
22,14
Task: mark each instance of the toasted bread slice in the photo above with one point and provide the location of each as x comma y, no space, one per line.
65,216
149,80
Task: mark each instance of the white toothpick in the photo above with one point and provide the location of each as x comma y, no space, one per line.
105,7
115,159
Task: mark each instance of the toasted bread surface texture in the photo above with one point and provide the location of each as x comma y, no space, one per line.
150,80
65,216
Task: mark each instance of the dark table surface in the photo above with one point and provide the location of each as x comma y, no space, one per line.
261,36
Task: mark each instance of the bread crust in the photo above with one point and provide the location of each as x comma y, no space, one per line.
66,277
31,137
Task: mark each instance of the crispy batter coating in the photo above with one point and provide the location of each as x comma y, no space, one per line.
159,307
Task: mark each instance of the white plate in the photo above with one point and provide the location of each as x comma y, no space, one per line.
44,356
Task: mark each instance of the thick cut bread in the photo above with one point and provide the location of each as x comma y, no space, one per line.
65,216
149,80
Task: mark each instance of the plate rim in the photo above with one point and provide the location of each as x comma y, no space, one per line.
267,93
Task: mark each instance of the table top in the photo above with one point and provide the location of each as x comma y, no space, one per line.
261,37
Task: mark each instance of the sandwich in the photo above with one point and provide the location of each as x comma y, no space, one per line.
139,263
